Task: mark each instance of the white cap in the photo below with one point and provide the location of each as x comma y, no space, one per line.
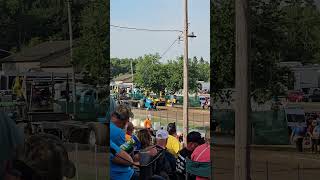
162,134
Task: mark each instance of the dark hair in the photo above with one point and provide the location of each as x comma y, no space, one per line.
195,137
144,138
172,129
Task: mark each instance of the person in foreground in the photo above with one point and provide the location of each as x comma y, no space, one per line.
119,120
194,139
202,154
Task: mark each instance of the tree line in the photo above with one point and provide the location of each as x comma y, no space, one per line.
279,31
152,74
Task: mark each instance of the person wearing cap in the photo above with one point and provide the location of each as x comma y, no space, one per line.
194,139
202,154
166,164
173,144
118,124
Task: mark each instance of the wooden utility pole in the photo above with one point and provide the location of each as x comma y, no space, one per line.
71,60
185,76
241,80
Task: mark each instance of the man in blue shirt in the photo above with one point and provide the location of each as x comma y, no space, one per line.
119,120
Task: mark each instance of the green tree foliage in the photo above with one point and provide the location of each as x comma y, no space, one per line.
150,73
279,31
23,20
122,66
92,53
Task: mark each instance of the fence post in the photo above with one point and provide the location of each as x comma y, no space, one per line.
176,117
298,171
203,119
267,168
77,163
167,116
160,116
95,160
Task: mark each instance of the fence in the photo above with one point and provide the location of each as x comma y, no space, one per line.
264,167
268,127
90,163
198,119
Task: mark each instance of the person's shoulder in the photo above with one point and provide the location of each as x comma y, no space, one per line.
184,152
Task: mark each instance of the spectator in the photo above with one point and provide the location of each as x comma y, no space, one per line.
297,136
10,140
119,119
147,122
129,132
166,165
202,154
193,140
311,135
145,141
173,144
316,136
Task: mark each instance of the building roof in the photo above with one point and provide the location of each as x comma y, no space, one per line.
49,54
125,78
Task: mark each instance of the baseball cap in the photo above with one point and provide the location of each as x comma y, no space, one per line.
195,137
162,134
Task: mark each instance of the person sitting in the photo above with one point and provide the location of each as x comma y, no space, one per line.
173,144
130,129
119,119
166,164
145,141
194,139
202,154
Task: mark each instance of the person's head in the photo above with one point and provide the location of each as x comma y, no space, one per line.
194,139
161,138
172,129
144,137
130,128
314,123
120,117
149,116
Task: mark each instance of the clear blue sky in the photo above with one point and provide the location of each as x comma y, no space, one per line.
158,14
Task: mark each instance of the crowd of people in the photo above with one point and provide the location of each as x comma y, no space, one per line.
310,133
153,154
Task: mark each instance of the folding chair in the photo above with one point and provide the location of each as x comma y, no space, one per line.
202,169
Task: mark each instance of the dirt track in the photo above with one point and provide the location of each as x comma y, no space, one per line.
197,117
281,165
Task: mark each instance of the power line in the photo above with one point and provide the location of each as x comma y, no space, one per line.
144,29
170,46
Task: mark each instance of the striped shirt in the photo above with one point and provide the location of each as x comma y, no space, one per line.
181,163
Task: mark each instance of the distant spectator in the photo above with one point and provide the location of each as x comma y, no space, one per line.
194,139
316,136
202,154
173,144
297,136
147,122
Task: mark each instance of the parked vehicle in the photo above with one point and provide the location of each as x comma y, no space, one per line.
315,96
296,96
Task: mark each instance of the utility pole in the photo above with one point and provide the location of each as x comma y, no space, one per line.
71,60
242,157
185,76
132,75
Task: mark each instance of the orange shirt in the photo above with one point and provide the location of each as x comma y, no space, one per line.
128,137
147,123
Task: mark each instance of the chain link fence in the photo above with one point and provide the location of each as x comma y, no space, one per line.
198,119
92,163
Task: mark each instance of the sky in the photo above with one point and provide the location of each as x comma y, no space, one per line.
158,14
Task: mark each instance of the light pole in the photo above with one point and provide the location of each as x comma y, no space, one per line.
71,60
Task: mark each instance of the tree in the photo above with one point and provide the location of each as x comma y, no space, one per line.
92,54
150,73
